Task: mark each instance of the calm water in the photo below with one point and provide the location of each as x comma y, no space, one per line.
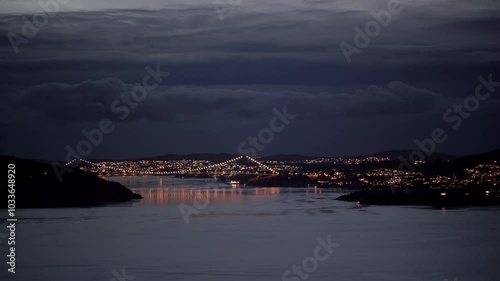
251,234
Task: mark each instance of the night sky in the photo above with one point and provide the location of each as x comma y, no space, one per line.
230,65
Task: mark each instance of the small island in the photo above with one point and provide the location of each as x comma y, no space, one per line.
37,186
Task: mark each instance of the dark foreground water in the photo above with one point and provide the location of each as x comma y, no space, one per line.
259,234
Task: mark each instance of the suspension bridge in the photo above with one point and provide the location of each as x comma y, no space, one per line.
188,170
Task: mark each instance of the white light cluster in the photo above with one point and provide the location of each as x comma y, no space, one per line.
262,165
212,166
81,160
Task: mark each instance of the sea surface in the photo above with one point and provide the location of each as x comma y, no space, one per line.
198,229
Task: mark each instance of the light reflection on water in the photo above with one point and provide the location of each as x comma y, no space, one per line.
168,196
173,191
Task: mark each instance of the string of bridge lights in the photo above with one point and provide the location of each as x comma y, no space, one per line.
197,169
81,160
233,160
213,165
262,165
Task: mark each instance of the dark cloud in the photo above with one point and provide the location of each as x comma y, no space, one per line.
302,32
264,55
297,44
92,100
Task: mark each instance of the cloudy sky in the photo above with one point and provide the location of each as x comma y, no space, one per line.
231,63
